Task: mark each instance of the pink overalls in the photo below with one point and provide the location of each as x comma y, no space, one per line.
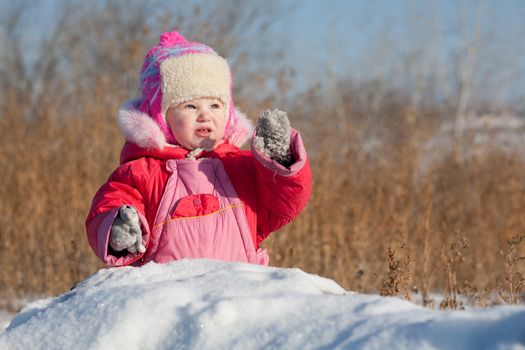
201,216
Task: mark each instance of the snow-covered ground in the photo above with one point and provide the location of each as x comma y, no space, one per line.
202,304
505,133
5,318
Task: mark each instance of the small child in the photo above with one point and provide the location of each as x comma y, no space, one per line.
184,189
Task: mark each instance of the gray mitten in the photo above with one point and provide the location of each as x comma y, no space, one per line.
273,136
126,232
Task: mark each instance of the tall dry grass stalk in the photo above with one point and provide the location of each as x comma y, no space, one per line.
512,293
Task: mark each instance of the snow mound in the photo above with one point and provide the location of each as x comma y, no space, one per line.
204,304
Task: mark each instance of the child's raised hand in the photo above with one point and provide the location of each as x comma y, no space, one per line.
126,232
273,136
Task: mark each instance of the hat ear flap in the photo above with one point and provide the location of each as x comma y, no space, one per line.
239,128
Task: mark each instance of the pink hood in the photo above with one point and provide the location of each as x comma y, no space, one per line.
139,128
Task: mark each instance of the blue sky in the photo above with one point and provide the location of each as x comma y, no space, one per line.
402,40
374,39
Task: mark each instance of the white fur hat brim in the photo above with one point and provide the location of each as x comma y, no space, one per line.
188,77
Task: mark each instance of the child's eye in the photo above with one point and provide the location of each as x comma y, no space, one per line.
216,106
190,106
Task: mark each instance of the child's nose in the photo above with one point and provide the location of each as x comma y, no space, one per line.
204,115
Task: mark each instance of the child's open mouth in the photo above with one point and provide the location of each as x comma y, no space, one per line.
203,132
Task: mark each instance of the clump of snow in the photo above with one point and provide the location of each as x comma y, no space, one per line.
204,304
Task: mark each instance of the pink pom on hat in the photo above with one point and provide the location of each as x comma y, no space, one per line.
177,71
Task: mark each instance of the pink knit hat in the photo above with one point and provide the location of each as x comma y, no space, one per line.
177,71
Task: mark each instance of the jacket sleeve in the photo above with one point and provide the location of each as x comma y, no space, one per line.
282,192
121,188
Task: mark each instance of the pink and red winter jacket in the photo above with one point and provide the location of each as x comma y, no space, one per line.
265,192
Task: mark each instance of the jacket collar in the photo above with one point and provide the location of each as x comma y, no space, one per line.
131,151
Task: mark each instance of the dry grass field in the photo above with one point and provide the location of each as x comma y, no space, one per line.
377,222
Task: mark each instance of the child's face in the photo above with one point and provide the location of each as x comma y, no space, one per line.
198,123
